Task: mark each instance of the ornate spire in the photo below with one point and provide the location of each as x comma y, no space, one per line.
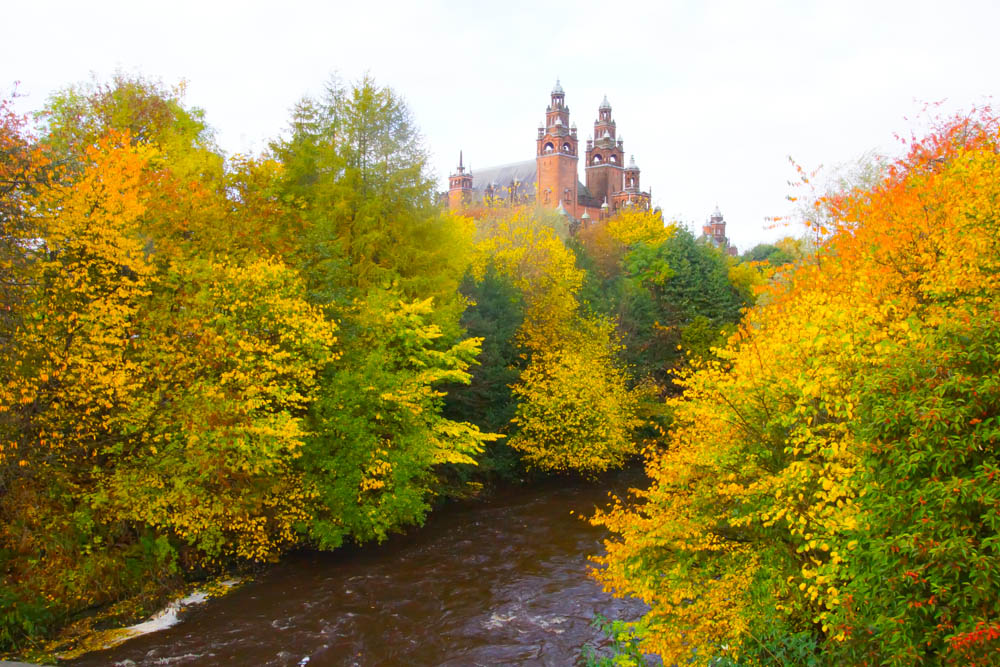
605,104
558,90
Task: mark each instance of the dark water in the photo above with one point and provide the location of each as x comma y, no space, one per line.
500,582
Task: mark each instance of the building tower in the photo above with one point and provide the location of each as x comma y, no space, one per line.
632,176
556,156
605,155
715,229
459,186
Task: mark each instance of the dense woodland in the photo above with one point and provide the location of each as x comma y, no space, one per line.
207,361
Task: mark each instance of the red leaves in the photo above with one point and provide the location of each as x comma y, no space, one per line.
982,634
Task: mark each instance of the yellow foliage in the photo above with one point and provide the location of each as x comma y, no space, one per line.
529,252
87,275
759,476
576,411
631,227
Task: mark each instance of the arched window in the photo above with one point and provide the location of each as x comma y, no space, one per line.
549,147
612,159
566,148
597,158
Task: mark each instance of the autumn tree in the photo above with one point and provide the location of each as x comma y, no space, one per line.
149,112
575,409
24,171
237,352
828,482
381,259
67,385
379,434
355,165
153,407
670,295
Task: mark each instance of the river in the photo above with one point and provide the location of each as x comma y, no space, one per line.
496,582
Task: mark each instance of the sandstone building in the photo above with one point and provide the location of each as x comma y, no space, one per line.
551,179
714,231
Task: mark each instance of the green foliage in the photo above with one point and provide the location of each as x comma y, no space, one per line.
78,116
927,560
21,618
765,252
701,335
355,167
774,647
679,297
378,432
687,278
381,259
658,282
495,314
624,645
603,286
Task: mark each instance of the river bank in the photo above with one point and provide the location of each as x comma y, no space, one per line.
498,581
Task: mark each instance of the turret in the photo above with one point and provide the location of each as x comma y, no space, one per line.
459,185
632,176
715,228
556,156
605,155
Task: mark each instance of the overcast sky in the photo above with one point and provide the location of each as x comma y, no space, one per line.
710,97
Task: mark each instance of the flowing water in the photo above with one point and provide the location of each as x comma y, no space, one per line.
498,582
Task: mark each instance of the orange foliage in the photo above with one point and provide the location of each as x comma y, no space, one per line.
761,481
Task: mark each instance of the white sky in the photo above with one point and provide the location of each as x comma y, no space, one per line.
710,97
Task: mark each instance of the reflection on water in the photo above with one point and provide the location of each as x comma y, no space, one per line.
498,582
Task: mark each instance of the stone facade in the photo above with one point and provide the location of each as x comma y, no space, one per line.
554,182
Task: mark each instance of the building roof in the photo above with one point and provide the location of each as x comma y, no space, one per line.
522,174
